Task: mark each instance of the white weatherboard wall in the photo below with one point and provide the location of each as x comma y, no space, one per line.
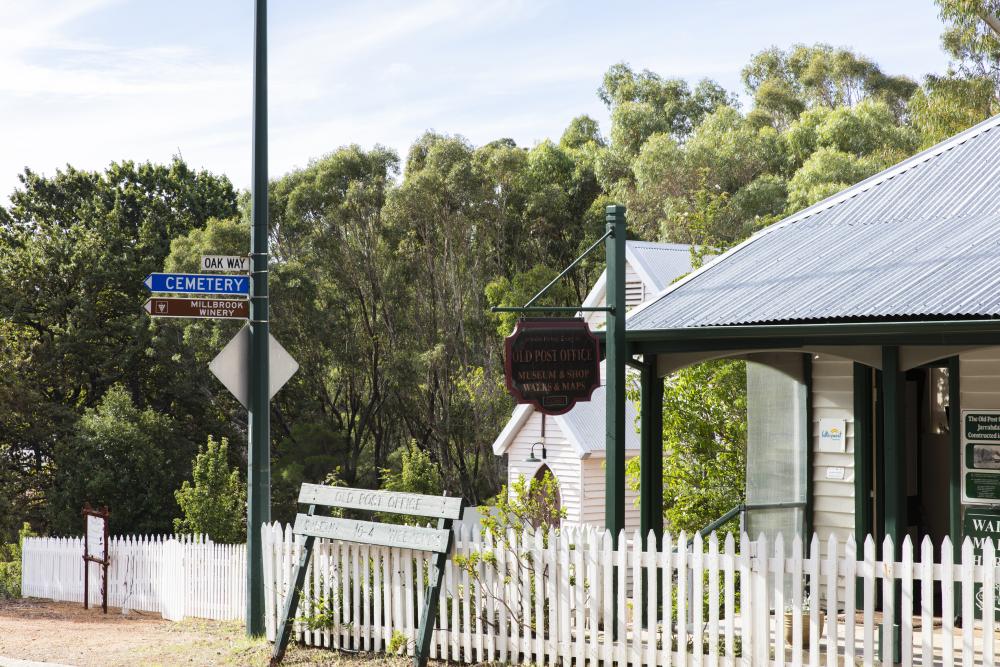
636,291
832,398
593,494
561,457
979,378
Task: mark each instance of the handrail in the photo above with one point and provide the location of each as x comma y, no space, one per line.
740,509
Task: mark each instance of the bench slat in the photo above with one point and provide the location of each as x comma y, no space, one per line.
369,532
414,504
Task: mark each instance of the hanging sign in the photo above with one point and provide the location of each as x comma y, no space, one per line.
552,363
981,459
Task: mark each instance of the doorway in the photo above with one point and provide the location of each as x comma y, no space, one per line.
928,450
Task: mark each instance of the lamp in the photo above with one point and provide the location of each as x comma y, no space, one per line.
534,459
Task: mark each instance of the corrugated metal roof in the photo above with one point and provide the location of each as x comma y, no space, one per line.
659,263
919,240
586,423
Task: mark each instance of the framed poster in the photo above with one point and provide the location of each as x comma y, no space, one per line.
981,457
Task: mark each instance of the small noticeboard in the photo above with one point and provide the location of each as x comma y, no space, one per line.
95,550
981,457
552,363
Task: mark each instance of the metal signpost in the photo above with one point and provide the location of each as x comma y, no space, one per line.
236,309
437,540
197,283
259,397
95,550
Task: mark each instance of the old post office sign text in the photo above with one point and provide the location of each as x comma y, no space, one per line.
552,363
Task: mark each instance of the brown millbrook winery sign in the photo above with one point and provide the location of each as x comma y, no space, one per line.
552,363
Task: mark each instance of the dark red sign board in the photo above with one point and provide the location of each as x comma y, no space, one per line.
198,308
552,363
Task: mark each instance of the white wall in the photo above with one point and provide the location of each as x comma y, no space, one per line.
636,291
593,495
832,398
561,457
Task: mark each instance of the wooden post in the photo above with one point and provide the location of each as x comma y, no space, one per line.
292,601
425,631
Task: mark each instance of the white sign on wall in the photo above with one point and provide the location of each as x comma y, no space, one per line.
832,435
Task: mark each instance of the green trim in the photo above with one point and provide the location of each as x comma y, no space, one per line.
572,265
863,431
551,309
955,474
651,452
807,513
614,506
894,446
810,331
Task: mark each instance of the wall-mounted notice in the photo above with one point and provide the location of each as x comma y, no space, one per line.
981,459
832,435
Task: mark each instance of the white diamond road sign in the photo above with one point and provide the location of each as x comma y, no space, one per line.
230,366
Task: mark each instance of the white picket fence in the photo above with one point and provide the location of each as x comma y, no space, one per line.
176,576
732,603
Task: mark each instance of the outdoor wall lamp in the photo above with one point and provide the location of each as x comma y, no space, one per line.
534,459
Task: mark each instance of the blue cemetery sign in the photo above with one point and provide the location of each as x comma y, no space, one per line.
197,283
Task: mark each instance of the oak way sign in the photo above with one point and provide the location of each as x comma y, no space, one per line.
238,309
197,283
436,540
225,263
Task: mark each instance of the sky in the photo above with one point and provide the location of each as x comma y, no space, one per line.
90,82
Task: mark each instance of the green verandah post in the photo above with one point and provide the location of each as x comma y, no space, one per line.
614,512
614,508
259,431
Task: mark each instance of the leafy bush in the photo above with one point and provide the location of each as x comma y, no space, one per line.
10,565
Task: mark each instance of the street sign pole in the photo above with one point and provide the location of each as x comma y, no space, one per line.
258,451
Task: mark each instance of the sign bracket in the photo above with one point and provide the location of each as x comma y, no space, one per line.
531,308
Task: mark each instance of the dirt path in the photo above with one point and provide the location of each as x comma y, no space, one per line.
66,633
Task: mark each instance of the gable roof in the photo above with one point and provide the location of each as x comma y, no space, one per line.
583,426
657,264
918,240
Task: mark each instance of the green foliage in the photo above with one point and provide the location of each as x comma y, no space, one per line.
215,503
522,516
412,471
74,249
10,564
114,457
973,45
704,444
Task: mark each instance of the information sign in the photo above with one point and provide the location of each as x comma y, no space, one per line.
234,309
95,550
552,363
197,283
980,525
436,540
225,263
981,459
